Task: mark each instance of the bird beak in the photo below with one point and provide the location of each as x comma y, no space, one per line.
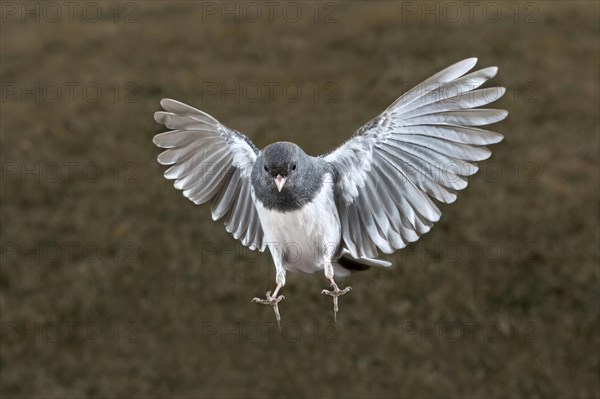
279,182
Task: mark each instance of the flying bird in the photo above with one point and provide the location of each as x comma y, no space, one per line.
333,213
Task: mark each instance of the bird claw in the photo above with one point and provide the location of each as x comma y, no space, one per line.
273,301
335,294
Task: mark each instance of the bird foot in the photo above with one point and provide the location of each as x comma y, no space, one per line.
272,300
336,293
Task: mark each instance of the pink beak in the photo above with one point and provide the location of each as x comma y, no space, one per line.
279,182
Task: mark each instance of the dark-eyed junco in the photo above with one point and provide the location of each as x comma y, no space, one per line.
334,212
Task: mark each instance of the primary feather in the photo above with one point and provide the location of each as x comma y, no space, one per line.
421,147
211,163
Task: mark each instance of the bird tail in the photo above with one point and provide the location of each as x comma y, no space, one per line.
359,264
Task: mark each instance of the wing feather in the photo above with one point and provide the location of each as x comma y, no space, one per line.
211,163
422,147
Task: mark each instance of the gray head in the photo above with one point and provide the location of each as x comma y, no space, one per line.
284,178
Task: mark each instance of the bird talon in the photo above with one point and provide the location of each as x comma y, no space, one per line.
335,294
273,301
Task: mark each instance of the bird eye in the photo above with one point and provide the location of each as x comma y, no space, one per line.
266,169
293,166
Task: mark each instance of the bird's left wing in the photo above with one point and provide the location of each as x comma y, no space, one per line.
422,146
211,162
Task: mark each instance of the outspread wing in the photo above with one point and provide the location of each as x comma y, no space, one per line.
423,146
211,162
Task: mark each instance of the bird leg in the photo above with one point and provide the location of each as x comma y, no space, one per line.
273,300
335,293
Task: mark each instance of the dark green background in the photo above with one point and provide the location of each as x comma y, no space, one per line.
117,286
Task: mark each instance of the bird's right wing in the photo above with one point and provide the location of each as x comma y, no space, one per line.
421,147
211,162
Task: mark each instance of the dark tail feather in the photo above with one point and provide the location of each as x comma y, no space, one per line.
360,264
352,264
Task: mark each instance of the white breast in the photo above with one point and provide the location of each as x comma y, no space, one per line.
306,236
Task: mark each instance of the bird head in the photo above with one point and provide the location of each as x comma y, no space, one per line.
281,161
285,178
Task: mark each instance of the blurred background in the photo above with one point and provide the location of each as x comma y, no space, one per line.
112,284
